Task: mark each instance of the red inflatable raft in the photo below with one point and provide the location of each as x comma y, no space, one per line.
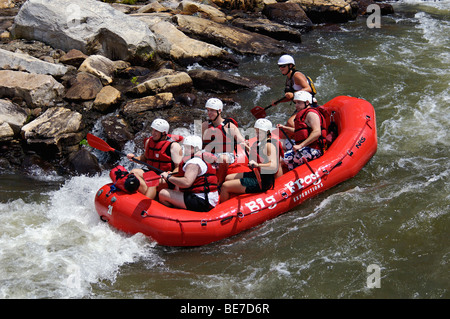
352,149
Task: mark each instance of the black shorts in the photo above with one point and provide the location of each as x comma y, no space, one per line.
196,203
251,183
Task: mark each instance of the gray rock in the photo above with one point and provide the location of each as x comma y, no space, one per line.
290,14
175,45
24,62
36,89
90,26
83,87
165,80
237,39
57,128
215,81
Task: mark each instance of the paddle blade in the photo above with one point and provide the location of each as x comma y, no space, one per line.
151,178
98,143
258,112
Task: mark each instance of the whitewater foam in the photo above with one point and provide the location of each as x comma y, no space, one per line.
59,248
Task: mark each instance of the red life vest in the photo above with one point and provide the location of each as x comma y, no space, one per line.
226,144
302,130
205,183
123,180
158,154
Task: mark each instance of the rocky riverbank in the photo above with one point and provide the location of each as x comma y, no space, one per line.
66,64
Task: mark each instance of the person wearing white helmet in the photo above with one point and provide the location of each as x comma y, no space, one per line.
196,180
264,159
220,136
309,132
162,151
295,80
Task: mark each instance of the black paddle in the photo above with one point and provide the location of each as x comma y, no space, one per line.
255,170
292,143
101,145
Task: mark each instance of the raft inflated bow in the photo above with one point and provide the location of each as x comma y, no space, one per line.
354,146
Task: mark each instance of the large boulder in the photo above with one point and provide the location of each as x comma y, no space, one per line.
23,62
175,45
58,130
165,80
90,26
12,114
12,118
148,103
237,39
102,67
83,162
219,82
270,28
83,87
289,14
107,99
202,10
325,11
246,5
117,131
37,90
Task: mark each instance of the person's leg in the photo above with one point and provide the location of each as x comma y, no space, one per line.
150,192
231,186
234,176
170,197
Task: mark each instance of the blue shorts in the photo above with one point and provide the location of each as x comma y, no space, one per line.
293,159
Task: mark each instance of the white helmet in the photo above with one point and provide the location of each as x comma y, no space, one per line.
303,96
286,59
263,124
160,125
215,104
193,140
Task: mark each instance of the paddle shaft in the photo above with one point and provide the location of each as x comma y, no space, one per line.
98,143
292,143
255,170
275,103
157,170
